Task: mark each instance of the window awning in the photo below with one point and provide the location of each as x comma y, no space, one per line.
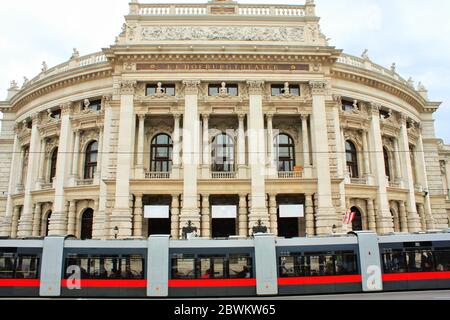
292,211
156,212
224,212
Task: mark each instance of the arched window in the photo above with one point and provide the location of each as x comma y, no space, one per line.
357,221
161,153
352,159
285,149
90,163
53,162
86,224
387,167
47,223
223,153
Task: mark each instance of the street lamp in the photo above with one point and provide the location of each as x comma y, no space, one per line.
116,232
334,229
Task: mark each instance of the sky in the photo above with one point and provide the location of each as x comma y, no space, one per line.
412,33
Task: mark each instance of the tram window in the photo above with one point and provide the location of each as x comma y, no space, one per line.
442,258
419,260
289,266
183,267
7,266
240,266
319,265
212,267
394,261
27,267
346,263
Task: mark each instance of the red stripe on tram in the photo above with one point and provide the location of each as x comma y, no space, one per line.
107,283
416,276
319,280
20,282
212,283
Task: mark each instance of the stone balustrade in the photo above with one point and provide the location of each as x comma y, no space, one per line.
157,175
223,175
290,175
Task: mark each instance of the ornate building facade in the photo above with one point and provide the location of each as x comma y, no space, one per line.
219,105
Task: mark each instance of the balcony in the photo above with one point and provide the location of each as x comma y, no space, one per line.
157,175
85,182
46,186
394,184
358,181
223,175
290,175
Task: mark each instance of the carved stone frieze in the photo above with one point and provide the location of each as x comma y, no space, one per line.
191,87
255,87
318,87
233,33
128,87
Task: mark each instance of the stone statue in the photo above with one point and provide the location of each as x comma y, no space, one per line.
393,67
44,66
411,82
159,89
223,89
25,81
365,55
421,87
75,54
86,104
286,88
355,105
14,85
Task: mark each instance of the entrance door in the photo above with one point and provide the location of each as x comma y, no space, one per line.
223,228
288,227
357,221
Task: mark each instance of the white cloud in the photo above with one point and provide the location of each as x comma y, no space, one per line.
413,33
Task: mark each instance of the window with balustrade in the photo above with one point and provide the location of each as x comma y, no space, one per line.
223,153
53,163
90,163
285,153
161,153
352,159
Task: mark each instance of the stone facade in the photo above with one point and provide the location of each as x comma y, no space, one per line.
199,105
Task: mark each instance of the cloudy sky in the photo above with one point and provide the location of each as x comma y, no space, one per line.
412,33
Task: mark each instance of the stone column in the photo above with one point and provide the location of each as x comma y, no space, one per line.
273,214
71,225
26,220
58,223
242,170
413,217
121,214
206,166
423,177
385,223
98,172
101,216
326,215
206,217
5,230
344,157
257,155
243,216
305,145
176,147
15,222
423,218
403,217
140,174
309,215
41,178
191,152
138,216
175,217
367,172
371,215
398,168
20,170
396,218
270,143
37,220
75,158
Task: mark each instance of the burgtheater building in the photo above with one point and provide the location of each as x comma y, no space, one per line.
220,117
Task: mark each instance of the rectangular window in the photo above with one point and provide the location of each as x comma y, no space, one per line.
394,261
347,105
240,266
96,105
420,260
215,89
27,267
278,89
183,267
168,89
346,263
7,266
442,258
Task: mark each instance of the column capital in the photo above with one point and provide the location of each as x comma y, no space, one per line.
205,116
374,108
270,115
67,108
191,86
35,118
403,118
141,116
255,87
128,87
177,115
241,116
318,87
106,100
304,116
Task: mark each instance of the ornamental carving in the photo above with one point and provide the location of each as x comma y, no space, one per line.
66,108
88,136
318,87
233,33
128,87
255,87
191,87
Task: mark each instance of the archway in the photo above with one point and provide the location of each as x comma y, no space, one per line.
357,224
87,219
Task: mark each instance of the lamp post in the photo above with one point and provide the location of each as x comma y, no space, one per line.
334,229
116,232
